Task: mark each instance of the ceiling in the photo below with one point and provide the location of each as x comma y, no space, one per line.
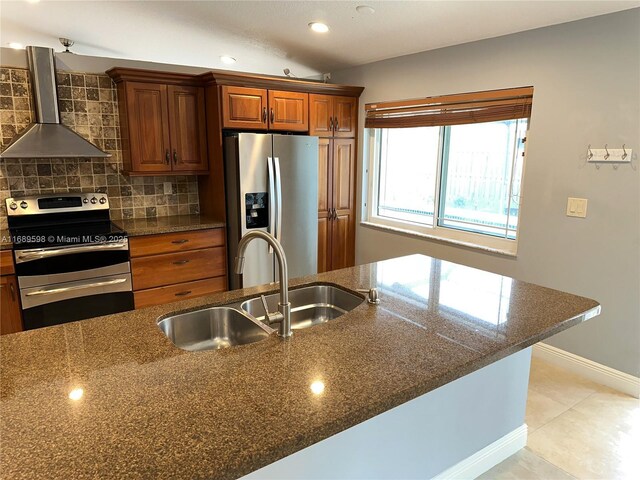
268,36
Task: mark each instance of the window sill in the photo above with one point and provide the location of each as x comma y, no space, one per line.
438,238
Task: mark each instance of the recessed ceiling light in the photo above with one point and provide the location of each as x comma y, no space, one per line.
318,27
365,9
33,1
227,59
16,45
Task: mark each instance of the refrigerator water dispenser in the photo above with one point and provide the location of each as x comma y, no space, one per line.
257,208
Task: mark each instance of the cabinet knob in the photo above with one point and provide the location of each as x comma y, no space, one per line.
335,124
180,262
272,116
182,294
175,157
166,157
264,114
180,242
331,124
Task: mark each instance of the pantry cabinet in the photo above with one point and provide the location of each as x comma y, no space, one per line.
334,119
336,208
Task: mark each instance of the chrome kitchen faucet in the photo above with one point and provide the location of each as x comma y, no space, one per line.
283,315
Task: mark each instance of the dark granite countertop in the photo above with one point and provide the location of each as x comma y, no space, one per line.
150,410
146,226
176,223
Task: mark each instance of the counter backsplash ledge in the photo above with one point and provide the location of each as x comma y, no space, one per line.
88,105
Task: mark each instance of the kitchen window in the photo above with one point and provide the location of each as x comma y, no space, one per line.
450,167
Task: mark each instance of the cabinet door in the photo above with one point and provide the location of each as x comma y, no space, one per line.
288,111
320,115
187,128
148,120
324,204
343,167
244,108
345,117
324,244
10,316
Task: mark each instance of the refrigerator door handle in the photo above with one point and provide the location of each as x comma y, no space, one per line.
272,198
278,178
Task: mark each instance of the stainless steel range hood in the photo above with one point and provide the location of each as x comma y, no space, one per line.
47,137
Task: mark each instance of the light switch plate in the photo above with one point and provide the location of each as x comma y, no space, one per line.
168,188
576,207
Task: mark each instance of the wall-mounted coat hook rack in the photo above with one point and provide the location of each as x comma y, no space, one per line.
607,155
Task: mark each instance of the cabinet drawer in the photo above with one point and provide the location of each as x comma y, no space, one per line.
6,262
175,242
180,291
167,269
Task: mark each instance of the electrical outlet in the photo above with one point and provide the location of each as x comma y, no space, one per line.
168,188
577,207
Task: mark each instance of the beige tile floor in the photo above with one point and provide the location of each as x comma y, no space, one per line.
577,429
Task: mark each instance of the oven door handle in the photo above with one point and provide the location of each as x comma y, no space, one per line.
53,291
40,253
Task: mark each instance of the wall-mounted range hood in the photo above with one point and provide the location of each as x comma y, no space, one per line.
47,137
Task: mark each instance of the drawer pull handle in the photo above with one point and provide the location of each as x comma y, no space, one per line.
180,242
180,262
182,294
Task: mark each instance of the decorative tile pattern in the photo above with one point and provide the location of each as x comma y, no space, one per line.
88,105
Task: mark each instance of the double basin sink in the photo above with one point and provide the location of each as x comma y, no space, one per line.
241,323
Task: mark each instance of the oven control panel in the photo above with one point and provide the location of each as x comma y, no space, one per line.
57,203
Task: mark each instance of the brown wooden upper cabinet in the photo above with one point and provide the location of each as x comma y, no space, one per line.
332,116
163,126
262,109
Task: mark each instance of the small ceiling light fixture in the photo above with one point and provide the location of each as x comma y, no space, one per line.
16,45
318,27
33,1
66,43
227,59
365,9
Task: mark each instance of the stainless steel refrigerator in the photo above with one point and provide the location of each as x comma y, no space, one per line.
272,185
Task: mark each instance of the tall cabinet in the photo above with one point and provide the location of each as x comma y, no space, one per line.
334,119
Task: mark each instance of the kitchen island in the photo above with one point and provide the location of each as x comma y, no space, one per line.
112,397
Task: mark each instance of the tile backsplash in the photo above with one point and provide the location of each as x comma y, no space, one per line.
88,105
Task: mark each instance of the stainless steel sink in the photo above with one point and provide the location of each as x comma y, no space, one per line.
212,328
309,305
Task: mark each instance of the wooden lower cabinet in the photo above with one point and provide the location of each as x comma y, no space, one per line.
10,315
159,270
176,266
179,291
336,204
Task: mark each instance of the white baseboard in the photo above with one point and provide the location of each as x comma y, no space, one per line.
488,457
596,372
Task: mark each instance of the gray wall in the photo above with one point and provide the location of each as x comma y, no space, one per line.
586,76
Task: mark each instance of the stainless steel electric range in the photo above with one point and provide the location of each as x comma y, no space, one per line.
72,262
